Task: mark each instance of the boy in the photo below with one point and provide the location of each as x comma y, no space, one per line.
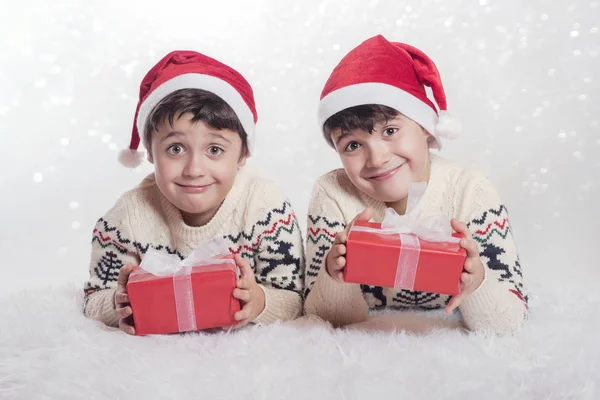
197,118
375,113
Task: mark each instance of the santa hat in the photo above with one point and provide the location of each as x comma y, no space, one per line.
190,70
393,75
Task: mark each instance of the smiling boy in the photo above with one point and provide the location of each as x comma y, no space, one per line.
196,117
375,113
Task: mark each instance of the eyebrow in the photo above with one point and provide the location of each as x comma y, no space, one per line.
177,133
171,134
343,135
218,135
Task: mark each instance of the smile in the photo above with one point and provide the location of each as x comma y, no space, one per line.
385,175
194,188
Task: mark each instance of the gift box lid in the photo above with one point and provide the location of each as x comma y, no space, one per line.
208,272
392,239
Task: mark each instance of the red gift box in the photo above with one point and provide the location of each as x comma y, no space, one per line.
403,261
201,299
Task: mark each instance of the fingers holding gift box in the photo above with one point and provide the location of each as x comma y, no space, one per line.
473,270
168,295
122,305
406,255
249,293
336,258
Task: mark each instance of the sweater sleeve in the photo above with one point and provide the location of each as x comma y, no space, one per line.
112,248
500,302
278,258
338,303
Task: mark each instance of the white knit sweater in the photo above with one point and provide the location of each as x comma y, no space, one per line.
500,302
255,220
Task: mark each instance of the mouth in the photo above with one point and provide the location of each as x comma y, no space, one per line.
386,174
193,188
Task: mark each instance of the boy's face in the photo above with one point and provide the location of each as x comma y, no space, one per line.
382,164
195,166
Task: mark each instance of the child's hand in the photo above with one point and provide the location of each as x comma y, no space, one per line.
122,306
249,293
336,258
473,270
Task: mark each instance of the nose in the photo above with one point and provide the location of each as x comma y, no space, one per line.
378,154
194,165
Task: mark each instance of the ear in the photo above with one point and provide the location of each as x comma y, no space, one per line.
428,136
425,132
431,141
242,160
150,158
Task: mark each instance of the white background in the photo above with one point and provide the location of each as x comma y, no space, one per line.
523,77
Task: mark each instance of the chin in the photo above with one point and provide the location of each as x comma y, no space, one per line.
197,210
384,196
389,197
188,209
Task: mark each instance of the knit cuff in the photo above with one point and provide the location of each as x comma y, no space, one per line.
100,305
492,307
280,304
337,292
340,303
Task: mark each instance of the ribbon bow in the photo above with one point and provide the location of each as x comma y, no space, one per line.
169,265
433,229
411,228
161,264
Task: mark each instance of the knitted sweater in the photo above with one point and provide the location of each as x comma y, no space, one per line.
255,220
498,304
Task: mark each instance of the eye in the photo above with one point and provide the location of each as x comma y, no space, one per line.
351,146
390,131
215,150
175,149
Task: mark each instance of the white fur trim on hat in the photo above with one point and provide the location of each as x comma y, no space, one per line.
205,82
446,126
377,93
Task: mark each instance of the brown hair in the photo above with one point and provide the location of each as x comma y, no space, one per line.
362,117
203,105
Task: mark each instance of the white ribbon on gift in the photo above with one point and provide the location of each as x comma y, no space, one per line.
165,265
411,228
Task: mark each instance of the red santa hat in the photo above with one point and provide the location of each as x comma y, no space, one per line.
184,69
391,74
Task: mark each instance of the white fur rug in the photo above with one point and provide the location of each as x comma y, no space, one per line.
48,350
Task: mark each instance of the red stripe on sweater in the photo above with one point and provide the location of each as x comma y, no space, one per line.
315,232
102,237
487,229
513,291
271,230
109,239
